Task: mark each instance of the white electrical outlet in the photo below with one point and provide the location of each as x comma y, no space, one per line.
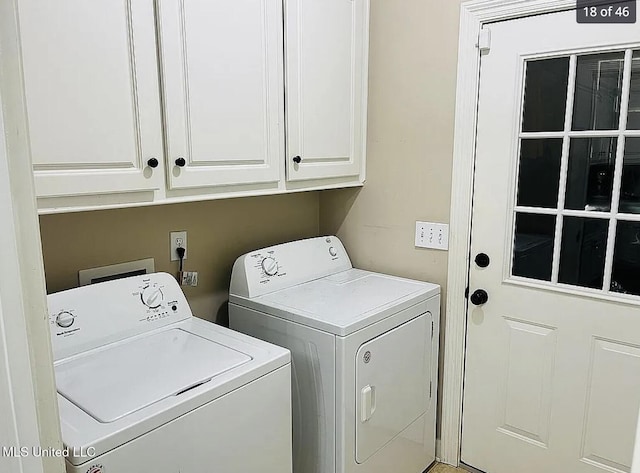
432,235
177,240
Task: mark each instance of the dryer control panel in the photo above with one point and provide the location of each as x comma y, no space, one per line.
281,266
90,316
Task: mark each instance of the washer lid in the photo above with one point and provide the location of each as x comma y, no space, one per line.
124,377
347,301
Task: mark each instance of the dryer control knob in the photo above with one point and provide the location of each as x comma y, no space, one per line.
152,297
270,266
64,319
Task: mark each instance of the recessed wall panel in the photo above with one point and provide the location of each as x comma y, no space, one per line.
527,381
612,405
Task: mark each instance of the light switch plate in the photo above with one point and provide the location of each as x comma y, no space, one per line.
189,278
432,235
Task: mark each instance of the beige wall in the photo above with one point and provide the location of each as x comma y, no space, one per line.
217,233
412,81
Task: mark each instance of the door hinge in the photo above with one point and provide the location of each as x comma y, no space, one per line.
432,330
484,40
430,388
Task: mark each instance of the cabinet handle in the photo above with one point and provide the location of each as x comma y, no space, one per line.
297,159
152,163
180,162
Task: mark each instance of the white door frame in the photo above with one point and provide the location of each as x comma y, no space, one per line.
28,401
473,15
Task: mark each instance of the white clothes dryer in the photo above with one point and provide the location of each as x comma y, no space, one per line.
364,354
145,386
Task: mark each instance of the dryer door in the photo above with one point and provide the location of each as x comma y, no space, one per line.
392,378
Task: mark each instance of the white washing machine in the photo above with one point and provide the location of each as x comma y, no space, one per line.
145,386
364,354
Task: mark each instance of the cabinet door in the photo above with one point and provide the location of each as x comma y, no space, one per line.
326,84
223,91
92,96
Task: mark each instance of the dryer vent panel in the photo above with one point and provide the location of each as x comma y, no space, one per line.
116,271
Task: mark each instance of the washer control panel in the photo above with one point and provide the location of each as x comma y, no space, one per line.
92,315
277,267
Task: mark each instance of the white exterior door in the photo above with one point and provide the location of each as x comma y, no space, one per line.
223,91
326,81
552,379
91,85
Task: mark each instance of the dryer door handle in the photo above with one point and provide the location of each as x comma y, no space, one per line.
367,402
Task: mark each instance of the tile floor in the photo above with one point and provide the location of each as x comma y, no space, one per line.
442,468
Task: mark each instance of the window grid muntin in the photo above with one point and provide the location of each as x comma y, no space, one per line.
613,215
579,134
622,216
564,166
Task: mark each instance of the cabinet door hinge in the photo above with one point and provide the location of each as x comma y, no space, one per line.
430,388
432,330
484,40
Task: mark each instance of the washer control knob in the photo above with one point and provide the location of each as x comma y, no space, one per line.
152,297
270,266
64,319
333,251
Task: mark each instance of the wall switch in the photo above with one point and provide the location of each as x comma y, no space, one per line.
177,240
432,235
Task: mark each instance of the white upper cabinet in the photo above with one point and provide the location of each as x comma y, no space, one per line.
148,101
92,97
326,44
222,69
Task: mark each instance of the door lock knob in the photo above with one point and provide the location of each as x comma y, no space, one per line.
482,260
479,297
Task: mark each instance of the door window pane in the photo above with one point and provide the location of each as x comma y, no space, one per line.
584,243
597,94
545,94
625,277
590,174
633,120
630,188
590,158
533,246
539,174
